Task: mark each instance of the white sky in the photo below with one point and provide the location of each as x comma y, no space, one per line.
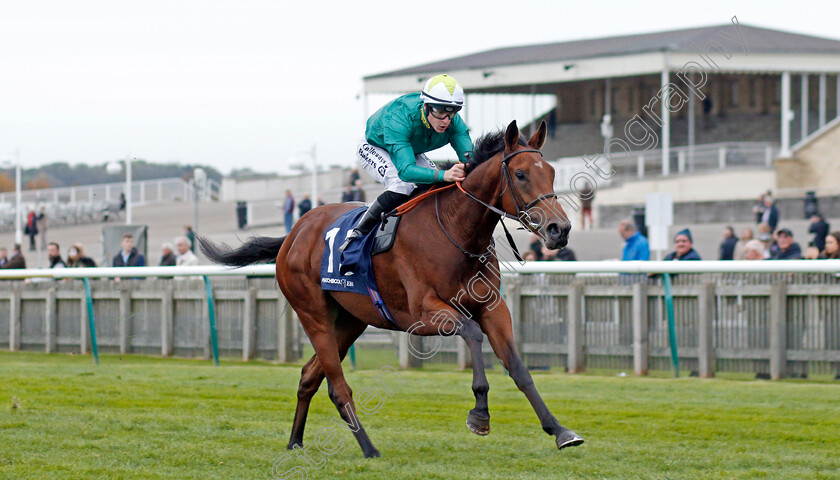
251,83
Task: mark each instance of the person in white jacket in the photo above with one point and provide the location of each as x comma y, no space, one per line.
185,256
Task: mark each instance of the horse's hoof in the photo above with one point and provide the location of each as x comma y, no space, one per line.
294,444
568,438
478,425
374,453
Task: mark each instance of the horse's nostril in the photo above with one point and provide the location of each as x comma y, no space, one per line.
553,230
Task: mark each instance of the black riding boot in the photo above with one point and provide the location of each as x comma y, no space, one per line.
386,202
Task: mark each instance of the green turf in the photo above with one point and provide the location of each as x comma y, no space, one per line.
149,418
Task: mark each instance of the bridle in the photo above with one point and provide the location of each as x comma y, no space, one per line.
521,206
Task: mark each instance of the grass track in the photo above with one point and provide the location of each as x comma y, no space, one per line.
149,418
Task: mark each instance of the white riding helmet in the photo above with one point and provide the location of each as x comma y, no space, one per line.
444,92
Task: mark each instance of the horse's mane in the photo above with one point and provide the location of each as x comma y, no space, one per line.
487,146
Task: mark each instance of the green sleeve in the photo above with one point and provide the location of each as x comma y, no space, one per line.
461,141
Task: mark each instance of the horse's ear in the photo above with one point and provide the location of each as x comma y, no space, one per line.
511,136
538,138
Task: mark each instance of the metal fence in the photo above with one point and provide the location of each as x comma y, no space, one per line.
648,163
778,324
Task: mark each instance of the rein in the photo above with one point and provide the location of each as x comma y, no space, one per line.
521,206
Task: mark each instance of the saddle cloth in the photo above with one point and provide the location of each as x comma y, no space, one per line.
351,270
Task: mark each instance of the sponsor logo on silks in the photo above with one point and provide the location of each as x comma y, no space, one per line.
338,281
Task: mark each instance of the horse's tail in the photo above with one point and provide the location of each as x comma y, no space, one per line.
255,250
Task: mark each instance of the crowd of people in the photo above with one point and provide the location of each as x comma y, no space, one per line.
182,254
763,242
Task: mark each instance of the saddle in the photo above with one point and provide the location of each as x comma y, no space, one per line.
386,233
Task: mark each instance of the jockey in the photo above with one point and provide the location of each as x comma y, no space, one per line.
396,139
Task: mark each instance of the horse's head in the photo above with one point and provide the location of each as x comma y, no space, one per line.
528,188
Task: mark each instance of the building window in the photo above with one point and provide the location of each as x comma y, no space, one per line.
593,102
755,91
777,91
733,93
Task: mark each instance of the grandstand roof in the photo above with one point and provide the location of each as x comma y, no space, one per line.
758,41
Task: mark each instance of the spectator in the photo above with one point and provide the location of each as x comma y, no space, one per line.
563,255
305,205
754,250
820,229
288,211
185,256
31,229
758,209
770,215
354,176
529,256
54,255
188,232
321,201
347,196
359,192
832,246
635,245
536,246
727,246
683,247
740,246
128,256
767,241
167,257
811,253
4,256
587,196
41,220
16,260
122,201
787,248
76,258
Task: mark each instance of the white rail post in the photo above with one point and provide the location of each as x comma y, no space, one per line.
285,331
778,330
249,325
167,316
50,322
640,166
722,158
706,332
640,329
574,328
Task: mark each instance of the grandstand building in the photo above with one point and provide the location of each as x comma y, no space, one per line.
708,114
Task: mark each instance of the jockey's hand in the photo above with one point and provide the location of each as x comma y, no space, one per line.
455,173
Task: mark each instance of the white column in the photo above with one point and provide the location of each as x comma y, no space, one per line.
804,106
822,100
128,162
785,115
533,109
666,125
18,205
691,139
837,97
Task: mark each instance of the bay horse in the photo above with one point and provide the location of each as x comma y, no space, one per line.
440,247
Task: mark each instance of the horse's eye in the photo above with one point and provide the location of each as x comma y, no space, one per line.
520,175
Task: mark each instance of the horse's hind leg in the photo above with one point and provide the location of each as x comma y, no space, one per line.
323,337
347,330
478,420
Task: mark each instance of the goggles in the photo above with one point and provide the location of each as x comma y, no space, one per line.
441,112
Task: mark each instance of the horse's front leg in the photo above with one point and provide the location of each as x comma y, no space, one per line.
438,318
496,324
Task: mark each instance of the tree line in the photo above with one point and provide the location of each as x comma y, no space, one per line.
62,174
